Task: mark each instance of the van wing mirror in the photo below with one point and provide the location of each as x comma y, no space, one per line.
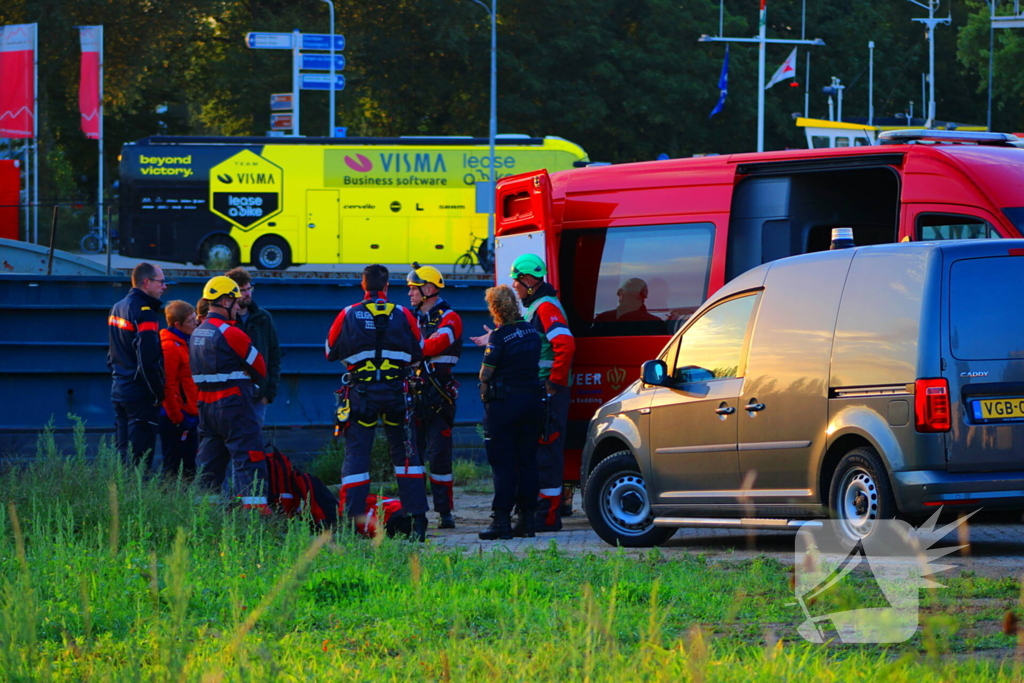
654,372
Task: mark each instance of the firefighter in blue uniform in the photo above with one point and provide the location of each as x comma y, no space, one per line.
513,415
435,390
136,365
226,368
377,341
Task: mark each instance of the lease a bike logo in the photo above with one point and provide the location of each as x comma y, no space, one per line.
246,189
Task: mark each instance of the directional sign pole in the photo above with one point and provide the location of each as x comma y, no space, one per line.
296,80
330,117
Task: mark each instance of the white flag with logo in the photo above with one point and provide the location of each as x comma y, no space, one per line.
787,70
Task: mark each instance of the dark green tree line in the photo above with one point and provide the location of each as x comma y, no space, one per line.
626,79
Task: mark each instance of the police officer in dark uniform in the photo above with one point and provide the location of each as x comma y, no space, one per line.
136,365
377,341
435,389
513,414
226,367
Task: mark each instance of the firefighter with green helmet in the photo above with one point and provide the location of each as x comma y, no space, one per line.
436,390
545,313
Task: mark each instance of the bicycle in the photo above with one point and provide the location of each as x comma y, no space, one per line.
478,254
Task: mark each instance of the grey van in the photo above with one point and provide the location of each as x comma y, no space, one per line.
859,384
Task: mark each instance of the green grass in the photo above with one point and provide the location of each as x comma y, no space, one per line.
109,575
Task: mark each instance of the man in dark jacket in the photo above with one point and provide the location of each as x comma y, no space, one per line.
259,325
377,341
136,364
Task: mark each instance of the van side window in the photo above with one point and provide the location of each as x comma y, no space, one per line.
944,226
713,346
634,281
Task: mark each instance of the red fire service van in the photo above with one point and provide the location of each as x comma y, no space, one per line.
634,249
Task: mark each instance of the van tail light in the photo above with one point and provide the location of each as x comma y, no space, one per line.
932,410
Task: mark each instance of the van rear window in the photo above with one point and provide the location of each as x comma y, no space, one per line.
637,280
985,310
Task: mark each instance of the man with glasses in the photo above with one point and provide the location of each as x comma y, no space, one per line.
259,325
136,365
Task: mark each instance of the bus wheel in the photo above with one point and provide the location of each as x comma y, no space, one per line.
271,253
219,252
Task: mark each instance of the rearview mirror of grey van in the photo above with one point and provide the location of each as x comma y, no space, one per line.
654,372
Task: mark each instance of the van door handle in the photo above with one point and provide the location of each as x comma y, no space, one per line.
725,410
754,407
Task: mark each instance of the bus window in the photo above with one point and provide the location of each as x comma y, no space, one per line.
629,281
944,226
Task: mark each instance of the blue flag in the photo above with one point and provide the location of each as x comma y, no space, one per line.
723,84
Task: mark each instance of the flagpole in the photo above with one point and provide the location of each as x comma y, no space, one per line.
99,190
761,40
35,131
760,76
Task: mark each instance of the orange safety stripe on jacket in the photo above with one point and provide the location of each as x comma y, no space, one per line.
564,345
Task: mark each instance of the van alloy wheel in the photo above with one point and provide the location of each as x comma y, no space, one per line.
860,495
618,505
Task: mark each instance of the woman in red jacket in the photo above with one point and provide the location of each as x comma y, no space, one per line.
179,417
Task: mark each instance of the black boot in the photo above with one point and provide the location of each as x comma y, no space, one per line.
446,521
501,527
524,520
419,527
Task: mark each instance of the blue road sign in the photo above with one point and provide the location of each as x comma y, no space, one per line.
322,82
321,41
269,41
322,62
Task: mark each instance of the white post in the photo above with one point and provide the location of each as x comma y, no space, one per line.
296,80
931,66
760,76
871,82
99,113
807,88
492,133
330,127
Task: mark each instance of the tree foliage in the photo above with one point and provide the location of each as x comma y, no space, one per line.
626,79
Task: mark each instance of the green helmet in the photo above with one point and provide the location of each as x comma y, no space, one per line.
529,264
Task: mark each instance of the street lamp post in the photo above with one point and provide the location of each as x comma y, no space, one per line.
330,116
493,127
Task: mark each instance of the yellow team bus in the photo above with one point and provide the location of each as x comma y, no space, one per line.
275,202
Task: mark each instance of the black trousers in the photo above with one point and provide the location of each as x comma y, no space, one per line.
136,427
435,418
511,428
179,443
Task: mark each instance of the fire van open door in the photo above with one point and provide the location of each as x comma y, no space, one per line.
522,219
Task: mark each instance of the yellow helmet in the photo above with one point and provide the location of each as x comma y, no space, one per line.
221,286
421,275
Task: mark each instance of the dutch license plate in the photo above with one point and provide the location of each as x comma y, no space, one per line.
999,408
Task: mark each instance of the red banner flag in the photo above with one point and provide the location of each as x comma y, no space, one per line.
17,81
89,86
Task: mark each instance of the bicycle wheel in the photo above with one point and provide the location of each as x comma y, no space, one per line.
464,264
90,244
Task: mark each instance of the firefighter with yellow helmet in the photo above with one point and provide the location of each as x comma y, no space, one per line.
436,388
226,368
